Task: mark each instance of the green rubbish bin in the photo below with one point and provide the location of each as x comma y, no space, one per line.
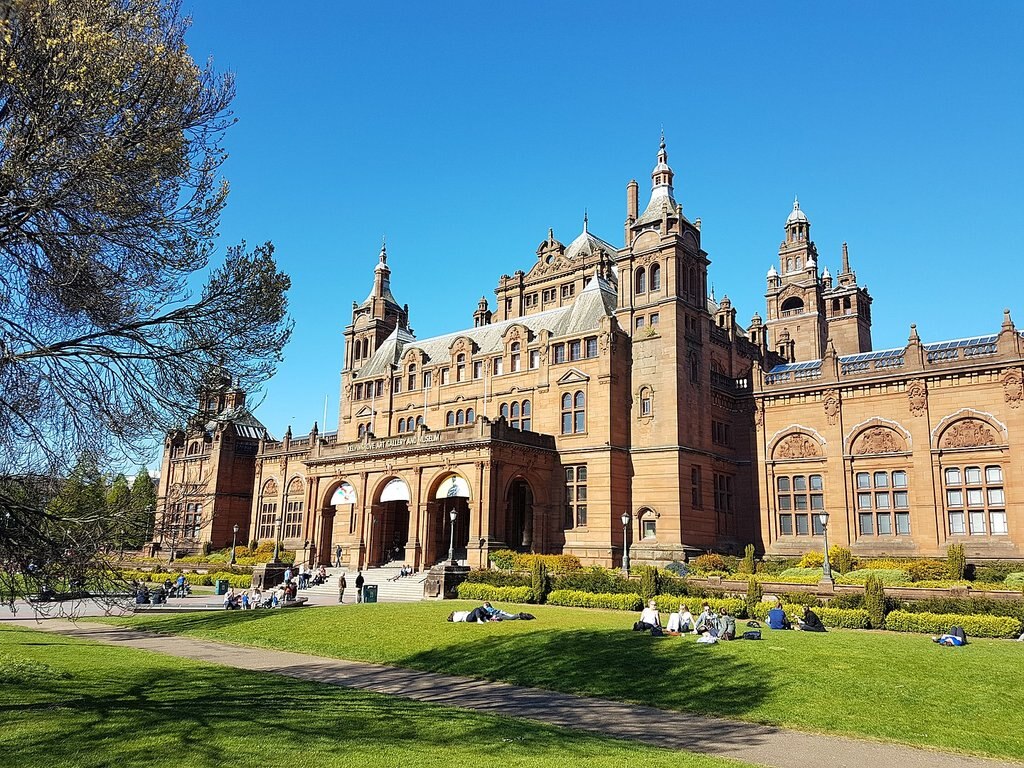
369,593
221,586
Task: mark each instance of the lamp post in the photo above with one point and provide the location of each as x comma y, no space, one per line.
625,541
452,515
277,539
234,538
826,566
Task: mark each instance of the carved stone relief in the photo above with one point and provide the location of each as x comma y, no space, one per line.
917,395
967,433
797,447
1013,387
832,406
878,440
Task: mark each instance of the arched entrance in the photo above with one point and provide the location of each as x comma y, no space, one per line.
390,531
338,523
450,500
519,516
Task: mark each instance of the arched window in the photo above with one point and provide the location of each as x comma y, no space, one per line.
646,402
193,449
514,362
419,421
655,277
641,281
835,306
460,417
412,376
293,507
460,368
366,347
789,265
449,419
470,415
574,414
514,420
527,422
793,304
799,262
356,351
694,368
504,411
846,304
362,430
401,425
694,287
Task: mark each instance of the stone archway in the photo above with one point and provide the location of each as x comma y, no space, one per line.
389,533
337,522
519,516
450,496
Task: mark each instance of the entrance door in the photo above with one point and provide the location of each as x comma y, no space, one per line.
443,540
519,518
391,533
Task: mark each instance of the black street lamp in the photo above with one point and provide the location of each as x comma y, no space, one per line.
452,515
826,566
625,541
277,539
234,538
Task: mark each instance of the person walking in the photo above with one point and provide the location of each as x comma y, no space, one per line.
359,586
337,556
342,586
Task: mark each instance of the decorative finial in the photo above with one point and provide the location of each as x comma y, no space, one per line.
584,219
383,249
914,338
1007,321
551,234
796,203
662,146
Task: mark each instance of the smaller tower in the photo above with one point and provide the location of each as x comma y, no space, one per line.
482,316
848,310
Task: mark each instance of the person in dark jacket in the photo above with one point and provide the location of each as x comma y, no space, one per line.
359,586
810,622
342,586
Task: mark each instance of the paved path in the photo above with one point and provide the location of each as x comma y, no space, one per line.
748,742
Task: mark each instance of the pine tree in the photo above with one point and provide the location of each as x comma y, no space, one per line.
143,508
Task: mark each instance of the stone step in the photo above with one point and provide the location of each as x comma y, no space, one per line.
406,589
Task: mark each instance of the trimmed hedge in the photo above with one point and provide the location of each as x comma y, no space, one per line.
847,618
937,623
470,591
595,579
1014,580
573,598
670,603
800,575
970,606
237,581
507,560
498,578
888,576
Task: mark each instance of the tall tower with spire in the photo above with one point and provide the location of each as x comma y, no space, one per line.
796,312
375,318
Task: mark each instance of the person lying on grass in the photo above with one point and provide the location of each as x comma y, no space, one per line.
485,613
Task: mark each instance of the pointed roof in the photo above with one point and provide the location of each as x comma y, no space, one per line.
796,214
382,277
587,244
662,193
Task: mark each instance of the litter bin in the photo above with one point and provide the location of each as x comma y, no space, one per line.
220,586
369,593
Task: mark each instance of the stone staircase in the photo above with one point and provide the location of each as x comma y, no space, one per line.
405,590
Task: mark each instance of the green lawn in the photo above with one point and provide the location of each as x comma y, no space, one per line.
882,685
97,706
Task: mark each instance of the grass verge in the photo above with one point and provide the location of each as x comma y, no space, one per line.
886,686
72,703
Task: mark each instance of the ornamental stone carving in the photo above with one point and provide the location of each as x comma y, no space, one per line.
917,395
967,433
832,406
797,447
758,416
878,440
1013,387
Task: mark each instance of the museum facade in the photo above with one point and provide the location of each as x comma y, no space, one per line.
604,399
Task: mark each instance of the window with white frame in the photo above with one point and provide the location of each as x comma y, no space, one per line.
883,503
975,500
798,499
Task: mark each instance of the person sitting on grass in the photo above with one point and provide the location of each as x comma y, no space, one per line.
681,621
777,618
810,622
726,626
707,621
649,618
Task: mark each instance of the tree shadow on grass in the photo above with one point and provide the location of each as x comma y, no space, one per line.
126,708
670,672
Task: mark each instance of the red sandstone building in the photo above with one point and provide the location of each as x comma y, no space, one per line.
605,381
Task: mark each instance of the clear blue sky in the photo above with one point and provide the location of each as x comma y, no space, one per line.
463,131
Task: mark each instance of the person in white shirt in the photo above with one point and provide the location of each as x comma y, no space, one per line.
681,621
649,618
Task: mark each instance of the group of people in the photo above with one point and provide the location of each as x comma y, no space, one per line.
485,613
306,577
343,585
406,570
714,626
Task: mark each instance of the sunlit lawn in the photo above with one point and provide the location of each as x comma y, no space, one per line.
96,706
877,684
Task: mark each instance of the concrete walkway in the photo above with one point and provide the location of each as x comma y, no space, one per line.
761,745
